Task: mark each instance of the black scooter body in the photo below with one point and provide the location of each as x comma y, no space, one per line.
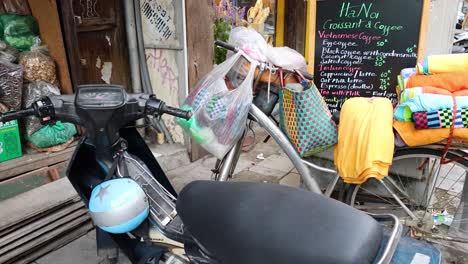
86,170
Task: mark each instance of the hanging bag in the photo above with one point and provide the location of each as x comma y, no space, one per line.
220,104
305,117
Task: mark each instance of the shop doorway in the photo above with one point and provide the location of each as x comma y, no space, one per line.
295,17
95,41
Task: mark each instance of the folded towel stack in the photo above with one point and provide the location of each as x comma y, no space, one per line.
428,96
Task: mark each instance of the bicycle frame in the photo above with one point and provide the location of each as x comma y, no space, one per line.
275,132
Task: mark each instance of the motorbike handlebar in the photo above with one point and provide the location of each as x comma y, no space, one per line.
153,106
17,114
176,112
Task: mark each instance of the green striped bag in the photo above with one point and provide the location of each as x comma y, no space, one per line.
306,119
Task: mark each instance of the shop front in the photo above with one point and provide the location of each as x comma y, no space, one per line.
33,63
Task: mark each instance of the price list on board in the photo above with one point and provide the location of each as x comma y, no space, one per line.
361,46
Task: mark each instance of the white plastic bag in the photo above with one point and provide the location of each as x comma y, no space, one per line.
254,45
220,104
286,58
250,42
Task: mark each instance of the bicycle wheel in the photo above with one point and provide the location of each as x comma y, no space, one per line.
435,195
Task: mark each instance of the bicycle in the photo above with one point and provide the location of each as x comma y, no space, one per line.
392,190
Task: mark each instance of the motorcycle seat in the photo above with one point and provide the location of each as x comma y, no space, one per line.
266,223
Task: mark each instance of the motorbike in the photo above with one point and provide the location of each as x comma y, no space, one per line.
212,222
460,42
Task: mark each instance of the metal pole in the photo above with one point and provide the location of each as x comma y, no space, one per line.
286,146
398,200
229,161
464,207
132,46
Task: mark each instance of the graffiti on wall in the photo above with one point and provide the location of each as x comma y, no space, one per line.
158,60
164,74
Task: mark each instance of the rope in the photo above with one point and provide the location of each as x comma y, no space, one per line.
450,138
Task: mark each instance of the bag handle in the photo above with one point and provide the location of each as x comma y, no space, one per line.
281,76
301,75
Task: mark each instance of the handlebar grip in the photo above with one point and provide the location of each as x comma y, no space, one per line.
225,45
16,114
176,112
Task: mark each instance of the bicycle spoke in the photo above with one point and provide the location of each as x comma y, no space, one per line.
446,175
431,179
380,197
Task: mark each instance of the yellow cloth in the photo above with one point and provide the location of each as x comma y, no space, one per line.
443,64
420,137
365,139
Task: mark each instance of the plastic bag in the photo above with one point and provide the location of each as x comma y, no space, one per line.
8,53
220,104
21,32
38,65
52,135
16,7
34,91
286,58
250,42
11,85
254,45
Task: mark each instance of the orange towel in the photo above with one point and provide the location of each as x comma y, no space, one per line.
449,81
420,137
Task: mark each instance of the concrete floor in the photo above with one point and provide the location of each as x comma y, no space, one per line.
80,251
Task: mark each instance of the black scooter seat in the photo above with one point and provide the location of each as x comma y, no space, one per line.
265,223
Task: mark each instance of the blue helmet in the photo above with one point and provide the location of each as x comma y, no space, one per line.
118,206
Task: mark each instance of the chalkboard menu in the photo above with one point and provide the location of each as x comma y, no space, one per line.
361,46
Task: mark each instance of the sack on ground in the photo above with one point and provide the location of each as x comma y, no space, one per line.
11,85
38,65
220,104
52,135
21,32
34,91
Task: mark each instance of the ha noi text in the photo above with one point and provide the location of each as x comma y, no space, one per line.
360,16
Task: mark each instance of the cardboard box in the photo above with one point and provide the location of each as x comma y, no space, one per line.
10,143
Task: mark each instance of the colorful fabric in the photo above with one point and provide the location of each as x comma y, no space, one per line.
440,119
365,139
419,137
408,72
427,103
451,82
217,108
410,93
420,120
436,64
306,120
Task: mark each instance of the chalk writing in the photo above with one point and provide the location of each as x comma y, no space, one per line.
362,46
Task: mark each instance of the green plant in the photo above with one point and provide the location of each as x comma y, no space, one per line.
221,32
226,17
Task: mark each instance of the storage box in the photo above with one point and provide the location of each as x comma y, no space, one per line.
10,144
